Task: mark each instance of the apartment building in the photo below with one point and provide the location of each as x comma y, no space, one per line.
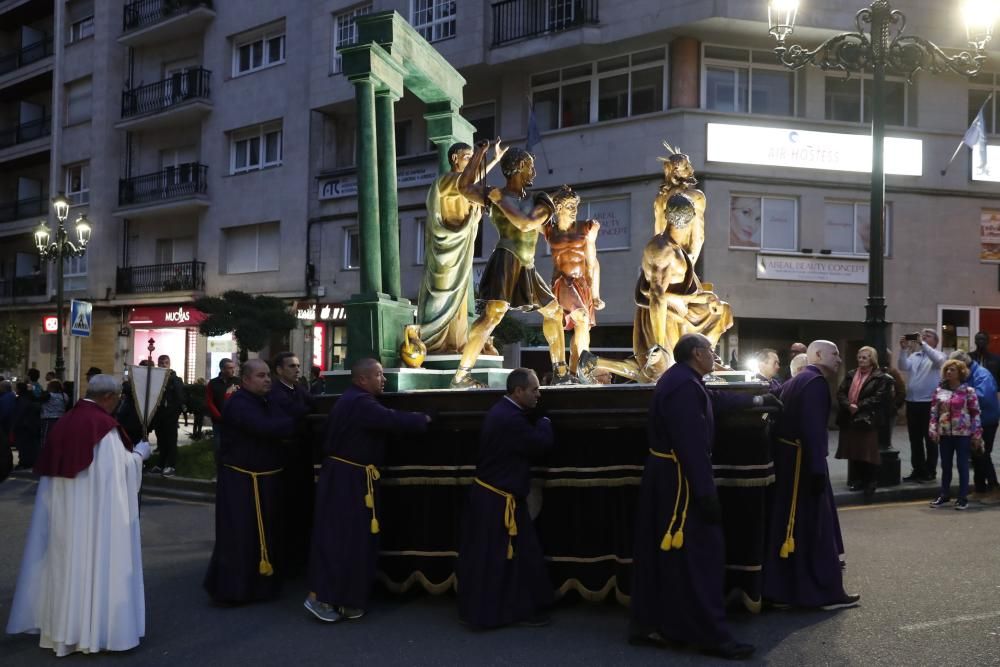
212,146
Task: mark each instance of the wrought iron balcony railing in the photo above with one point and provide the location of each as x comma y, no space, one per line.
25,55
25,132
24,208
142,13
181,87
514,20
184,180
22,286
178,277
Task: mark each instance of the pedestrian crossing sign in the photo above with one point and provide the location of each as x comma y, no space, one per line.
81,316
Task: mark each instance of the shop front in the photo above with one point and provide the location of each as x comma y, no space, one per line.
173,330
326,336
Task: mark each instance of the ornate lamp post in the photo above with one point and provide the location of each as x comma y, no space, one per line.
885,46
57,250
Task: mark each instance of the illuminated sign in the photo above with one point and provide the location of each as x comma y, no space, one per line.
319,342
153,317
983,172
802,149
50,324
812,269
326,312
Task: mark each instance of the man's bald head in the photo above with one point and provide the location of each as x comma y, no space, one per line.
824,354
368,375
255,377
797,348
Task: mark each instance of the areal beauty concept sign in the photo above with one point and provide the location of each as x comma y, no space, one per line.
784,147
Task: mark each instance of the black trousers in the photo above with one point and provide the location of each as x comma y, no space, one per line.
983,473
923,451
166,444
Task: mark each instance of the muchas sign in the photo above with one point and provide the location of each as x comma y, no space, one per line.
812,269
801,149
148,317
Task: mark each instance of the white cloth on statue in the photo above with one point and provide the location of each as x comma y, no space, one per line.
80,585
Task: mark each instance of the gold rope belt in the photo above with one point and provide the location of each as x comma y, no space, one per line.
371,475
788,546
672,540
265,565
509,520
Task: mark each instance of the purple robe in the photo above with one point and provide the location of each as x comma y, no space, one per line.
494,590
811,575
344,551
298,478
679,593
252,432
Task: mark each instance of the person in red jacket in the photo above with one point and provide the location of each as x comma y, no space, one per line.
217,392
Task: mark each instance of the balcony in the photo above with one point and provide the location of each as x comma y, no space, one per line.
175,189
25,139
156,278
24,209
178,100
514,20
151,21
22,286
15,60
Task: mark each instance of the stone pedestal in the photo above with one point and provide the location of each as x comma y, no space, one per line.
375,327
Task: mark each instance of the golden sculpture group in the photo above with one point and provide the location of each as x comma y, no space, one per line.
670,299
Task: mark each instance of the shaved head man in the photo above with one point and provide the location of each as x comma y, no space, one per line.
825,355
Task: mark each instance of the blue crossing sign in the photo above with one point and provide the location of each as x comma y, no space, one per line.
81,317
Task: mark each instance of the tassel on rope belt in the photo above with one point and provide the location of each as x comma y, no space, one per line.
788,546
509,520
672,540
371,475
265,564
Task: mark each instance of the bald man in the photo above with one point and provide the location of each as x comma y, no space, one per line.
802,561
248,493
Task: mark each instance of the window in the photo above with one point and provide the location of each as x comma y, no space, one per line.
78,98
745,81
75,273
619,87
78,183
345,31
352,248
404,130
483,118
256,148
983,86
81,29
847,227
850,100
764,223
433,19
421,227
251,248
259,49
80,17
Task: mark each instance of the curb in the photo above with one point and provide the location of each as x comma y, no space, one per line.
893,494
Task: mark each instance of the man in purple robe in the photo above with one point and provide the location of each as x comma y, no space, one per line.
502,578
248,493
679,558
802,562
344,547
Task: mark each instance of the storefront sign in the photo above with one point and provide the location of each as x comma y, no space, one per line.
406,177
801,149
615,219
327,312
150,317
989,236
50,324
812,269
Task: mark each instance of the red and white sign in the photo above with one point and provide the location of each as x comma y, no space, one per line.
50,324
150,317
319,345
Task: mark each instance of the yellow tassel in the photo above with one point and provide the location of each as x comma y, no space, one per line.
666,542
678,539
512,530
265,568
510,551
784,550
369,501
791,544
374,526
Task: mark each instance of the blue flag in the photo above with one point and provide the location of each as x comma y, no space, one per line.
975,138
534,136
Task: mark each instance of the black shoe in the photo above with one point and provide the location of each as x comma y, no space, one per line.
731,650
849,600
914,477
869,493
535,621
930,478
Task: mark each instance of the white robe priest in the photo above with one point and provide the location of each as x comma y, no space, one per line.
80,586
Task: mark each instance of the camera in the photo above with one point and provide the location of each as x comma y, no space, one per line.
912,336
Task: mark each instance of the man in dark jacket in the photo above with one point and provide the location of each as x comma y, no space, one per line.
502,578
345,533
219,389
166,419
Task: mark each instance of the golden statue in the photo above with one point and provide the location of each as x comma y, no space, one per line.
576,273
413,350
670,299
510,279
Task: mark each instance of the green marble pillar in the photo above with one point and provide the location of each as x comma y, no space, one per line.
368,188
388,203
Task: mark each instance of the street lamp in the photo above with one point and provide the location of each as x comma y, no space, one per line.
905,54
57,251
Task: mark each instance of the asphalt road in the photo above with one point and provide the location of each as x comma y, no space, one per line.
929,579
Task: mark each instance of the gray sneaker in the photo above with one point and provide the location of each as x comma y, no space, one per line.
350,612
322,611
169,471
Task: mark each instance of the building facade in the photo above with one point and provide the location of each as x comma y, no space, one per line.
212,146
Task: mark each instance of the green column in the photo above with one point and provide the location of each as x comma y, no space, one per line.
388,210
368,183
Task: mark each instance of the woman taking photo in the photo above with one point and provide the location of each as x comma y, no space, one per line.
956,427
864,398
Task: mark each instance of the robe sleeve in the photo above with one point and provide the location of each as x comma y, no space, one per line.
372,415
815,412
723,401
530,440
682,414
